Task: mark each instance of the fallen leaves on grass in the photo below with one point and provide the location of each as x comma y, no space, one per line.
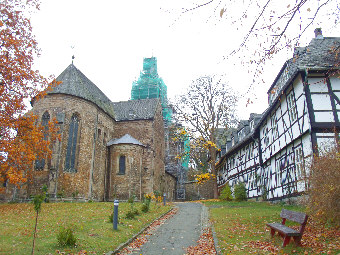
205,244
143,238
82,252
316,238
264,246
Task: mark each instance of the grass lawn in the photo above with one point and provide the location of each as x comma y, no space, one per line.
90,220
241,229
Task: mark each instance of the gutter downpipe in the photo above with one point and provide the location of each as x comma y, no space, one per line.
93,157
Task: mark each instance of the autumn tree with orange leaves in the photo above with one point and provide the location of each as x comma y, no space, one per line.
22,138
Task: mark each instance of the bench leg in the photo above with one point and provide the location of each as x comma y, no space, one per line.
286,241
297,240
272,232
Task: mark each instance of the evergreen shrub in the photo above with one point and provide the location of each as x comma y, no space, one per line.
66,237
240,192
226,193
130,215
145,207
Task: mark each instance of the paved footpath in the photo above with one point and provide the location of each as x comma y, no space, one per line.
178,232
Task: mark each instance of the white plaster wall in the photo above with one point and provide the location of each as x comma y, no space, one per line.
335,82
324,143
324,116
321,102
317,85
298,87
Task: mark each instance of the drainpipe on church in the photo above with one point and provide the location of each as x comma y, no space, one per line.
140,177
93,157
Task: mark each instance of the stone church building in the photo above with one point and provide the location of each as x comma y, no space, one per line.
107,150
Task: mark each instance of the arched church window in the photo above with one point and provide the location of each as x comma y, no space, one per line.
122,165
40,163
72,144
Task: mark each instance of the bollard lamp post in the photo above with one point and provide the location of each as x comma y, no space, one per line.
115,214
164,198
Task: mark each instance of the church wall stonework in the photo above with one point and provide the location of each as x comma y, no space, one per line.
151,134
96,176
94,133
135,179
89,162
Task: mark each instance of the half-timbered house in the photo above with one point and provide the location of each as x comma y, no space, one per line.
270,153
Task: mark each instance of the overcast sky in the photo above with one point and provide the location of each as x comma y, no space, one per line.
109,40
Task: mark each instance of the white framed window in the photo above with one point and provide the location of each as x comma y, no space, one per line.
240,134
278,172
291,107
275,131
265,136
277,166
298,154
251,151
252,125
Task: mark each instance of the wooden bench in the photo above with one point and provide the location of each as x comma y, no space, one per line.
287,232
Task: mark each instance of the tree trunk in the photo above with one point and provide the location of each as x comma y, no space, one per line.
213,171
35,231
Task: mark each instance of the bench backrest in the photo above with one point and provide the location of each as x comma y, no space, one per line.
294,216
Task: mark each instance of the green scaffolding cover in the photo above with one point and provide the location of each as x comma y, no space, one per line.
150,85
185,159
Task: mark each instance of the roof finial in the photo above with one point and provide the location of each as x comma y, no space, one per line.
72,47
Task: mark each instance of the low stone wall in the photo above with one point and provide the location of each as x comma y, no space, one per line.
195,191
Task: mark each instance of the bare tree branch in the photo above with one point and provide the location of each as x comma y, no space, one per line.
198,6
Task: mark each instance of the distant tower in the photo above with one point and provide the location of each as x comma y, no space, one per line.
150,85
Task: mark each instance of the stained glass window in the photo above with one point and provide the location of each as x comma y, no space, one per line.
40,163
121,165
72,144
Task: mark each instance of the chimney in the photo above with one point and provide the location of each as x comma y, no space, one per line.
318,33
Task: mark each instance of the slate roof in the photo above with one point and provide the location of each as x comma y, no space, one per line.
318,55
75,83
135,109
126,139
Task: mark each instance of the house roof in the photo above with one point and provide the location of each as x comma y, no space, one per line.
135,109
75,83
318,55
126,139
